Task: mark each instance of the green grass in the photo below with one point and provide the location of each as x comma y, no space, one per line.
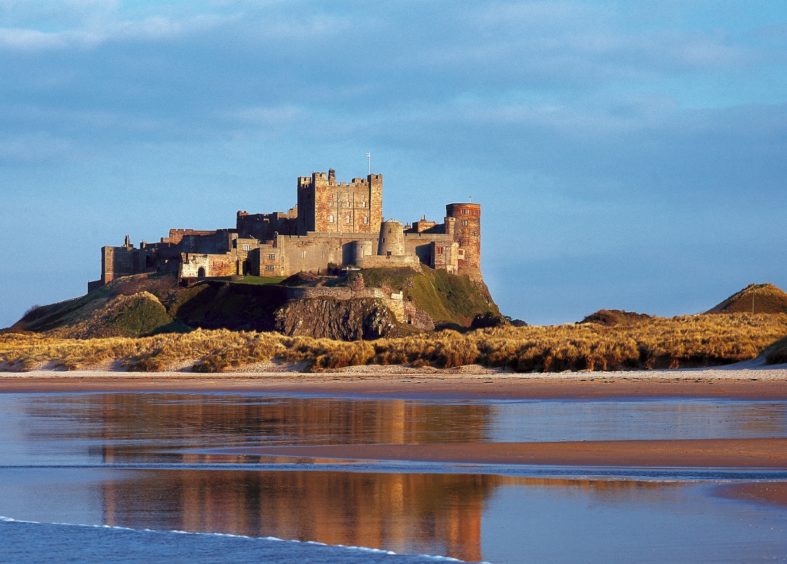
137,315
43,318
255,280
447,298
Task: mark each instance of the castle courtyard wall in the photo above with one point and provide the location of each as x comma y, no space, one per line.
199,265
315,251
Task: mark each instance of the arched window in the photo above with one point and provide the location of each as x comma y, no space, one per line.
201,272
330,218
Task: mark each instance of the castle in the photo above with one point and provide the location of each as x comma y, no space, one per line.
334,225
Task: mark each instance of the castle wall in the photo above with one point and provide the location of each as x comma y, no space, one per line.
378,261
314,252
176,235
217,242
437,250
266,260
116,262
124,261
264,226
200,265
243,247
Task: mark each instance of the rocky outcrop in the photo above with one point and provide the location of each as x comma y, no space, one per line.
348,320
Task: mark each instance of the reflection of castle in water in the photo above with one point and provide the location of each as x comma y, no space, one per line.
434,513
404,512
221,421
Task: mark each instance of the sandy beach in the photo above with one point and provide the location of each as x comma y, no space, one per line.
745,382
713,453
767,492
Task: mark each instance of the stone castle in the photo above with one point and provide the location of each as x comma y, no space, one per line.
334,225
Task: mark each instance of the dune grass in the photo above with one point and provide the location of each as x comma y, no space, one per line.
777,353
686,341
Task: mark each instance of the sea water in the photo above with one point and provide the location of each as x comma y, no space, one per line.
131,477
28,541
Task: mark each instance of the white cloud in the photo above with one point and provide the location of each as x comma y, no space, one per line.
99,32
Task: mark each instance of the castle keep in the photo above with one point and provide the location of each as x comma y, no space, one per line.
334,224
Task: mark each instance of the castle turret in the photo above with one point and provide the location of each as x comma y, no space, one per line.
467,232
391,239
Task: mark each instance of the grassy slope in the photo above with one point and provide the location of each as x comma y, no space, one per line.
777,353
447,298
233,306
44,318
754,298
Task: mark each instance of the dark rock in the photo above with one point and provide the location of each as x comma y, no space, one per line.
610,317
347,320
488,319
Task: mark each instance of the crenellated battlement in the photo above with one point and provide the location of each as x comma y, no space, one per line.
335,223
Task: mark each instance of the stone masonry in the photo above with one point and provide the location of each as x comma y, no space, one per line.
334,225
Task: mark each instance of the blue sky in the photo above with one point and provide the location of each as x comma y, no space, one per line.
626,154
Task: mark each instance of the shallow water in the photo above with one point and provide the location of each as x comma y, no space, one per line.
133,461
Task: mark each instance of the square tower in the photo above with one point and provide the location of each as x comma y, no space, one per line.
327,206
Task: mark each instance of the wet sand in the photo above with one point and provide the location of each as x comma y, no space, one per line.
763,492
743,382
708,453
450,384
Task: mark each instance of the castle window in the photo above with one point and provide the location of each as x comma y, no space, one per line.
272,257
464,222
269,267
330,218
365,220
245,246
347,219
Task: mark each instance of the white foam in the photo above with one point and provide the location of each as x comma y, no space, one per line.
367,549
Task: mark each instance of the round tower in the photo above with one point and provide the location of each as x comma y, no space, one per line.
360,250
391,239
467,232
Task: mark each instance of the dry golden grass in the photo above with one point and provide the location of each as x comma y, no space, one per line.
777,353
700,340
